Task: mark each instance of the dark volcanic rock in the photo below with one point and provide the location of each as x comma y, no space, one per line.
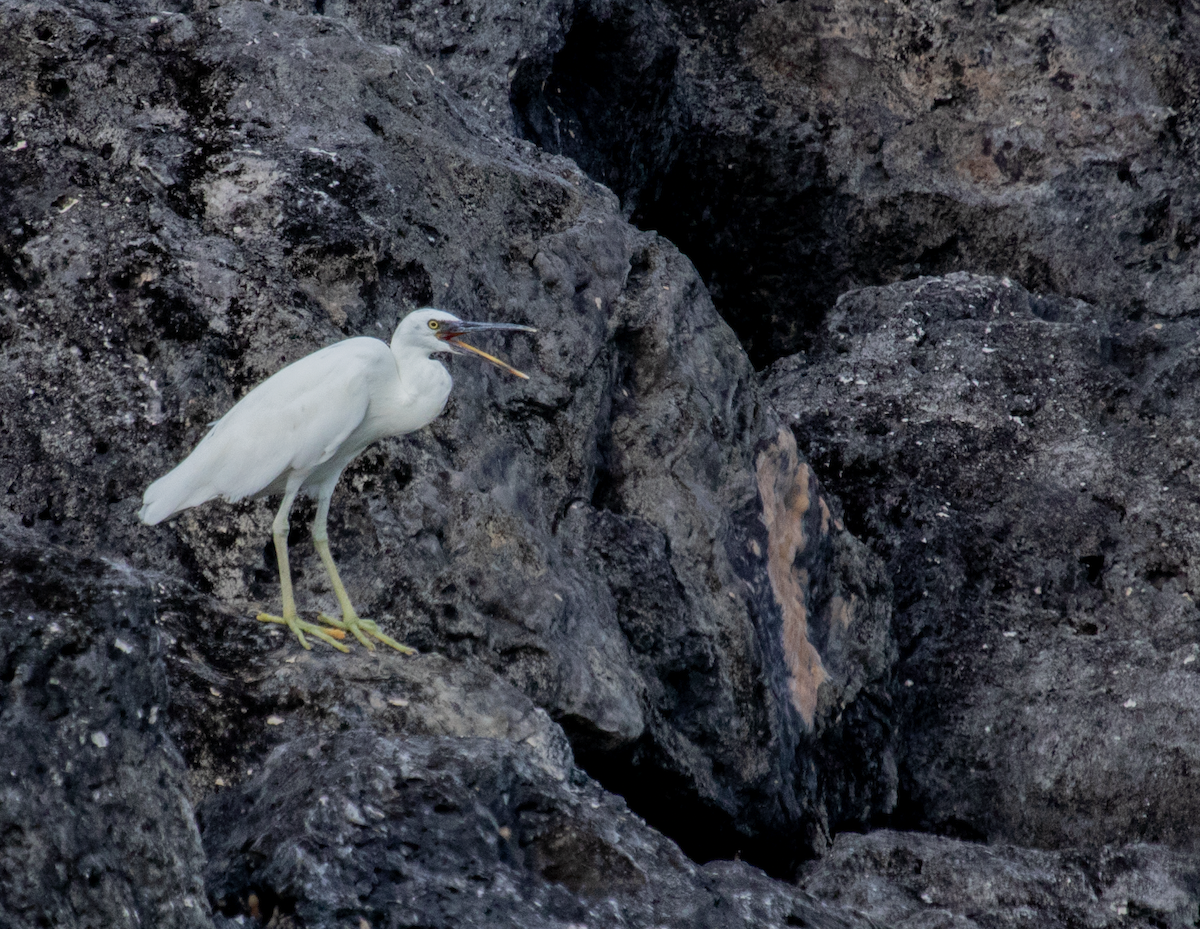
195,197
240,690
405,792
795,150
628,557
444,832
923,882
95,824
1026,466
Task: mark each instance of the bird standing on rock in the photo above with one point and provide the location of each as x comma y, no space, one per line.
298,430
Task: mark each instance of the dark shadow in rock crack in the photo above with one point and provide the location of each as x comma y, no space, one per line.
794,158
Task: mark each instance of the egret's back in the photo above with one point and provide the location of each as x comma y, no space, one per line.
292,422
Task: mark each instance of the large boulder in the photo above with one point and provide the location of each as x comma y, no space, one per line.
95,815
390,790
457,833
1025,465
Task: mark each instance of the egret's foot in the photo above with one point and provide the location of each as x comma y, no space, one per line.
360,628
300,626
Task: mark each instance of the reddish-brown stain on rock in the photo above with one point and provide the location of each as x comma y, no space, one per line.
784,483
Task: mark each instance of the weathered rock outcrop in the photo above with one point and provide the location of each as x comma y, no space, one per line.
626,563
95,821
390,790
1025,465
924,881
454,832
795,150
194,197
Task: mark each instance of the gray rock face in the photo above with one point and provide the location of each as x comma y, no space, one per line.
628,562
461,832
919,881
400,791
195,197
1024,465
96,824
231,210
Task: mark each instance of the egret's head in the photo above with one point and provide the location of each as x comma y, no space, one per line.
433,330
425,329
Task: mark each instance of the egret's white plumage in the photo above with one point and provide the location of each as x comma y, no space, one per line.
310,419
297,431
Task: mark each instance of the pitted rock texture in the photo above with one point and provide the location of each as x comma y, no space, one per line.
796,150
1025,465
402,792
462,832
633,554
916,881
96,825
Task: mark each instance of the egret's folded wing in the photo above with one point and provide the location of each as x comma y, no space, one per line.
293,421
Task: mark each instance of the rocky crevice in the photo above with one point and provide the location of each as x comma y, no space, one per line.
793,152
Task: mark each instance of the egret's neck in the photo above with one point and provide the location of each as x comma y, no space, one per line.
416,366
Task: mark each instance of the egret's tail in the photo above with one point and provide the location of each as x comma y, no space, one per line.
181,488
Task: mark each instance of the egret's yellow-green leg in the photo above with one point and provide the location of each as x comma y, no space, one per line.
351,622
290,618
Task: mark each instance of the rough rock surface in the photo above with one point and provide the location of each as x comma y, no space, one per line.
627,559
462,832
797,149
95,824
1025,465
201,196
909,881
401,792
239,690
194,197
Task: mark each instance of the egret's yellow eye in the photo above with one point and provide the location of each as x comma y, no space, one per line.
433,324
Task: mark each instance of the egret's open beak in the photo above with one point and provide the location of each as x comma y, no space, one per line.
452,331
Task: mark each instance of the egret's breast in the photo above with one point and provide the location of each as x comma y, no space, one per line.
408,403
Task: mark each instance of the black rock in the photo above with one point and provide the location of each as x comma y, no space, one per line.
462,832
627,560
925,881
795,151
95,821
1022,463
212,193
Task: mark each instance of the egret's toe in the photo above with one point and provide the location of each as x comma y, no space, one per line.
361,628
299,626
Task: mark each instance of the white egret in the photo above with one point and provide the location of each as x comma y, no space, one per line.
298,430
